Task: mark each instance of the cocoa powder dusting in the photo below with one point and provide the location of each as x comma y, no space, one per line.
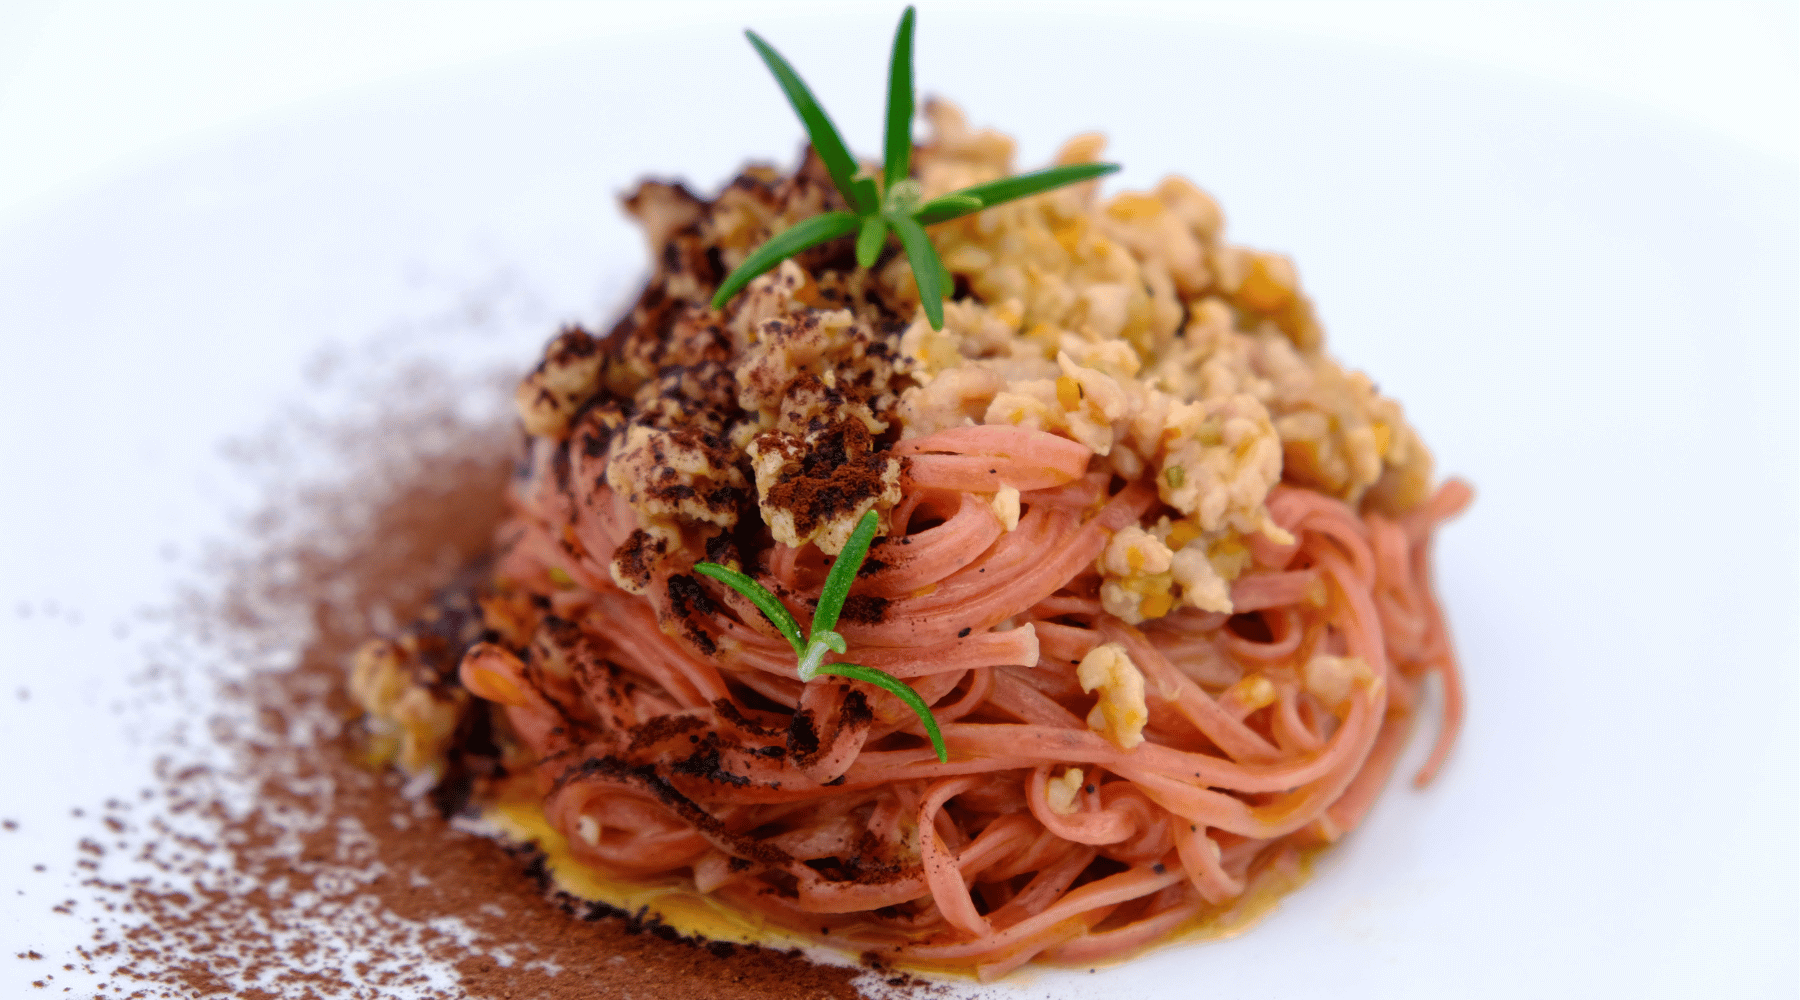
273,862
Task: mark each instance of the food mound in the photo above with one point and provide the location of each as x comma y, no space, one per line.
1157,563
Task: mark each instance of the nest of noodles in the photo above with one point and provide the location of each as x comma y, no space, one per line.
1157,561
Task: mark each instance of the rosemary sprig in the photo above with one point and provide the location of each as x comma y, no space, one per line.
895,208
820,638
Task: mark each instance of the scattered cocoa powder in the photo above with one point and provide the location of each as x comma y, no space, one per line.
270,863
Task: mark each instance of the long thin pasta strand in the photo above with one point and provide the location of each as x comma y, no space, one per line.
656,759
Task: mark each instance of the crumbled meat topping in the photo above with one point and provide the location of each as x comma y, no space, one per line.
1006,506
1332,679
1135,570
567,377
1121,712
1060,791
1128,324
779,408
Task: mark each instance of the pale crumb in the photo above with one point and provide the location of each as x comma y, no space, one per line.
378,676
1121,712
1061,791
1253,692
567,377
1332,679
1006,507
588,829
1135,576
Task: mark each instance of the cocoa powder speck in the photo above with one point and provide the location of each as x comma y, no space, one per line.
269,861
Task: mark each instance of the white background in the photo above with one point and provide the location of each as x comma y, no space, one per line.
89,90
1563,235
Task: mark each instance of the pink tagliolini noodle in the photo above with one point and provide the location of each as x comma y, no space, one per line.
978,862
1157,563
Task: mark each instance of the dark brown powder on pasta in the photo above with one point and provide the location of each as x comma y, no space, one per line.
270,863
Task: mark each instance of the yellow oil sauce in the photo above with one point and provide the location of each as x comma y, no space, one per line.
673,901
679,905
1258,900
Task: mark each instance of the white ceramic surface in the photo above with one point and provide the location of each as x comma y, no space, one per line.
1589,312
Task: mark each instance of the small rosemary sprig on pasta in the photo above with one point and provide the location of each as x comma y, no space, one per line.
820,638
897,206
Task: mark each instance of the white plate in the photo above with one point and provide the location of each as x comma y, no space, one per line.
1589,312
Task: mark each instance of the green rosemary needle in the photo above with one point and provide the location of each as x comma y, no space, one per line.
896,208
821,638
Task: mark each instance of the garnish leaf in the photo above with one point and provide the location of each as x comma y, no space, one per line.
872,216
803,235
767,603
902,198
822,638
928,270
870,240
900,689
862,188
900,104
946,207
896,208
825,138
842,575
1010,188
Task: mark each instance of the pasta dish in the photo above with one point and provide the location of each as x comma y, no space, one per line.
1158,565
